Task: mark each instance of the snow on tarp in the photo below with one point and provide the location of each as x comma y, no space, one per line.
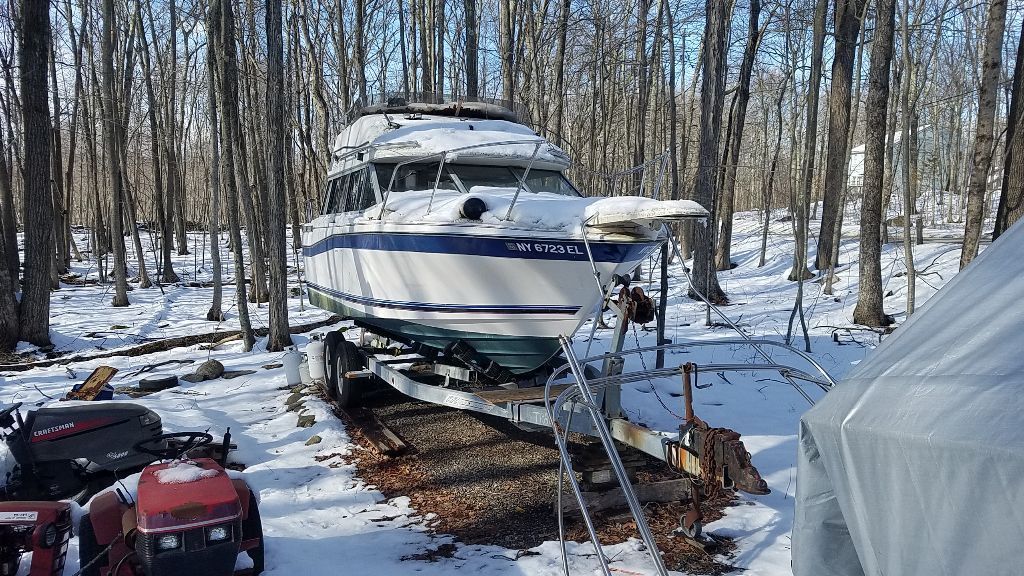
183,473
417,138
542,210
914,463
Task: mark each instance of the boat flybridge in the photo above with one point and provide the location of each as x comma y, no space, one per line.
452,230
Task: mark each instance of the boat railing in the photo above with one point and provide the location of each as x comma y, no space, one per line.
444,158
403,98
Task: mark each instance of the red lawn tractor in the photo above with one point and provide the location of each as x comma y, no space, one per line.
42,528
189,518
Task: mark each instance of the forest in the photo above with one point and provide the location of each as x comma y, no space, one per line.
141,121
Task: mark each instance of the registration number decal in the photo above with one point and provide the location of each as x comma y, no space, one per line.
544,248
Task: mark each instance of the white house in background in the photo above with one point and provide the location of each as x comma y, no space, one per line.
927,156
925,146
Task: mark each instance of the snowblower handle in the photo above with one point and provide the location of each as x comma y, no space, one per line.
5,415
189,441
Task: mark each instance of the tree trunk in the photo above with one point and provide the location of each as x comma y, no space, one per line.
847,26
673,113
869,310
1011,199
439,24
110,146
224,43
506,49
803,205
215,313
563,27
8,223
984,149
472,50
712,99
33,46
8,282
723,260
61,243
278,336
403,47
359,50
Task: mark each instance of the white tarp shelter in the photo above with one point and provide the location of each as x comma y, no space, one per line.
914,464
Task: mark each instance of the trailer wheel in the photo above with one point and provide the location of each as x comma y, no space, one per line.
345,358
88,548
253,526
332,342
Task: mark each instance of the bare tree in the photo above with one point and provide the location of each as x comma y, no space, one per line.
223,22
847,26
869,310
1011,199
723,252
214,314
473,49
983,140
110,145
33,47
279,335
8,303
8,223
712,98
506,49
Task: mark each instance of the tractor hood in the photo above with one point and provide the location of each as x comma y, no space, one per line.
180,495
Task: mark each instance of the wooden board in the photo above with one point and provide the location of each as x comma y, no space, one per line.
666,491
382,440
519,394
93,384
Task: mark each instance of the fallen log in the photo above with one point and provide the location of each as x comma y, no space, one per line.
162,345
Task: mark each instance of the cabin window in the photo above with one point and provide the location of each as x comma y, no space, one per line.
337,189
349,193
548,181
465,177
413,177
360,195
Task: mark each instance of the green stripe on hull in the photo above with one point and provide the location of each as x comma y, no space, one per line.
516,353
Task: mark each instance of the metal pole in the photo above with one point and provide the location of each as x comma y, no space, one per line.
522,181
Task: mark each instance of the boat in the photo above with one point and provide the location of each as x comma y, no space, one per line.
454,227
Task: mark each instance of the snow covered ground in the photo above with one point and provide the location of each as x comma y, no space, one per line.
317,513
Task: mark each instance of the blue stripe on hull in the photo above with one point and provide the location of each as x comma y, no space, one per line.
449,308
497,247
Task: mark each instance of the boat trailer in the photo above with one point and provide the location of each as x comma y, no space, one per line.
583,395
579,397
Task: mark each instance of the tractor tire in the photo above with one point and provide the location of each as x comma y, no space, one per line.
332,342
252,525
345,358
88,548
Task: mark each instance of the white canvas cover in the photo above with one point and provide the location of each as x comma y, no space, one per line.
914,464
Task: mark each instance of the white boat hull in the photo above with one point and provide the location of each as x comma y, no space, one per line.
507,292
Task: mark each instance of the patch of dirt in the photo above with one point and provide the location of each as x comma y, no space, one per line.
489,482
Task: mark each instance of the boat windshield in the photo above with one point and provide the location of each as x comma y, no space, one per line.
464,177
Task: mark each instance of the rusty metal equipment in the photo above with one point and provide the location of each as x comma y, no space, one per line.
714,458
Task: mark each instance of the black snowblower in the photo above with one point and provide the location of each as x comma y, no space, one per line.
70,452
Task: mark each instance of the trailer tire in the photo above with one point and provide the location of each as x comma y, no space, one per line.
88,548
253,525
332,342
345,358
